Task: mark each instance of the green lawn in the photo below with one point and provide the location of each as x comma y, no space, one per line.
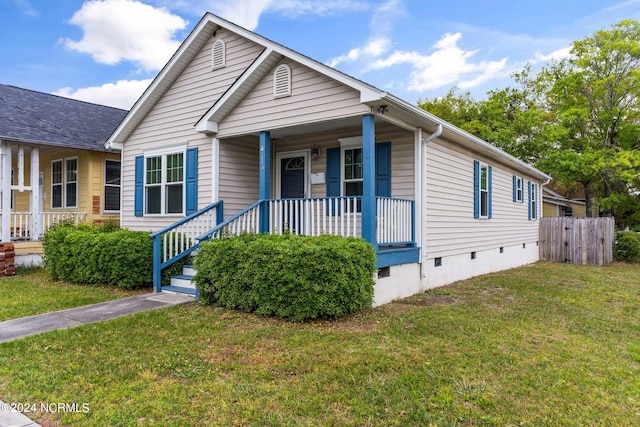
548,344
32,292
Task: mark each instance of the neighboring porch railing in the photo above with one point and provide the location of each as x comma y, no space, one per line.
21,222
178,240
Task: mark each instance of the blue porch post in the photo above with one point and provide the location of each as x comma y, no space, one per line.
265,178
369,180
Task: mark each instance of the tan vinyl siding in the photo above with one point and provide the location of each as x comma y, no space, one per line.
314,98
579,210
171,121
402,156
451,227
238,177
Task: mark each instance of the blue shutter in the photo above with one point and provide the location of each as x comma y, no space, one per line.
476,189
515,188
191,180
383,169
138,204
489,188
529,185
333,173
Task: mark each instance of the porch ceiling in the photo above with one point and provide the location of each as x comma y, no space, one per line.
311,128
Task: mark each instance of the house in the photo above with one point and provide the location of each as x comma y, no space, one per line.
555,204
54,166
239,133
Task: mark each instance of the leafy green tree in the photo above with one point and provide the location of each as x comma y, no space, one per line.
577,119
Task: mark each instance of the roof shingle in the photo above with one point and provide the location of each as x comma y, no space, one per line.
41,118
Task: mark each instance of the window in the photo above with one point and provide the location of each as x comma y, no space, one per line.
64,183
352,181
482,190
218,59
112,186
533,199
282,81
164,184
518,189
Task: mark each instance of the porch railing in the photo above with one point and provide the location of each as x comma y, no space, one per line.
326,215
21,222
178,240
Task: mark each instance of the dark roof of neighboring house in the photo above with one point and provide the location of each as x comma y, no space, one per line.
41,118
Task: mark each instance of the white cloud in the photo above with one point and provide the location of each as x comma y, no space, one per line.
247,13
448,65
26,8
556,55
126,30
122,94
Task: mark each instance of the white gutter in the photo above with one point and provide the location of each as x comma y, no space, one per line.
423,197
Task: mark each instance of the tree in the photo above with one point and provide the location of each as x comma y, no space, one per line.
595,96
577,119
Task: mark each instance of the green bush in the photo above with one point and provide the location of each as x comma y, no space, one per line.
289,276
626,247
104,255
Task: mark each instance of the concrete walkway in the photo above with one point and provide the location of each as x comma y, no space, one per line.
25,326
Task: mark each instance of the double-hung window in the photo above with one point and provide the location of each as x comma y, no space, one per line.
112,186
64,183
482,190
164,184
533,201
352,178
518,189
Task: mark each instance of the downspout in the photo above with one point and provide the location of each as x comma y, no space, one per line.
423,191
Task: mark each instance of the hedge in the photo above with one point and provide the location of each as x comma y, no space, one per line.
288,276
103,255
626,247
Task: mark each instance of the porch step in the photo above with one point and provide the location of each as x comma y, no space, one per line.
180,290
183,283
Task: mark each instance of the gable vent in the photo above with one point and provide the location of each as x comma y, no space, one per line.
282,81
218,55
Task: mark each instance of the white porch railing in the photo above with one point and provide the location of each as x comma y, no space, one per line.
327,215
394,221
21,222
313,217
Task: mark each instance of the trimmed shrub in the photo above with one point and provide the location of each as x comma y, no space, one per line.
104,255
626,247
289,276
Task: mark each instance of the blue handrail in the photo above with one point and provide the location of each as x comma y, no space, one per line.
158,265
221,225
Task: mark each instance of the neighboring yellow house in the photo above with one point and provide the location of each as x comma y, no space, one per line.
54,166
554,204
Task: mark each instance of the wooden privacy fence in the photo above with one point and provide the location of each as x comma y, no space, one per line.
587,241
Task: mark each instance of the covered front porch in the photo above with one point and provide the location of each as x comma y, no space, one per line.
350,185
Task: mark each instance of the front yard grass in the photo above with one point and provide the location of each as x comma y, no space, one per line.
32,291
548,344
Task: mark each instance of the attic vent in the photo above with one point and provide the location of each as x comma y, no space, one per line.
218,55
282,81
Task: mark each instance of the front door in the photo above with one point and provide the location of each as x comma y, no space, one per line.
293,175
292,184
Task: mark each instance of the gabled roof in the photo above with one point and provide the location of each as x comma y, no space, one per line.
408,115
40,118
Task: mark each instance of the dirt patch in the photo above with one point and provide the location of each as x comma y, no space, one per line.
429,300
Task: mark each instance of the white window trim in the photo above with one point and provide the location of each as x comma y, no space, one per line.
106,211
520,188
486,191
163,153
533,201
64,182
347,144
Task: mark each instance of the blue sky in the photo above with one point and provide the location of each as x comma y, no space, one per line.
107,51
